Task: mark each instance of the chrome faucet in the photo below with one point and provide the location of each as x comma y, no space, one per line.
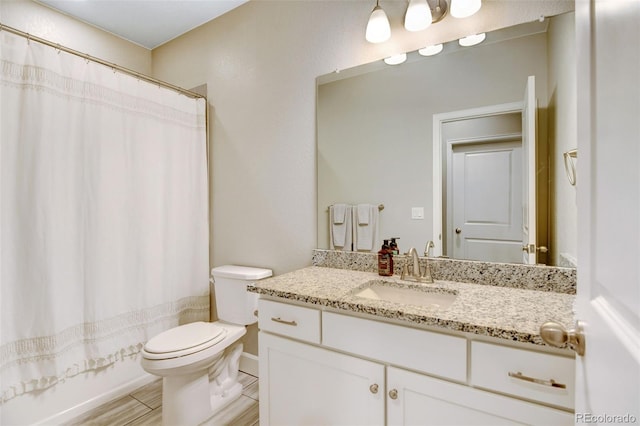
416,272
428,247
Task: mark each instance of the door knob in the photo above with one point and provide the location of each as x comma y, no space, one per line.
458,230
393,394
555,334
373,388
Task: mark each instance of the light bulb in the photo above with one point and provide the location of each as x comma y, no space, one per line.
418,16
378,28
396,59
431,50
472,40
464,8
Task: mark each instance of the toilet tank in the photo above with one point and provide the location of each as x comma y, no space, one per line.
233,302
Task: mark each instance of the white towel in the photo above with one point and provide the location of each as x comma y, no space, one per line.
363,214
339,211
341,234
366,235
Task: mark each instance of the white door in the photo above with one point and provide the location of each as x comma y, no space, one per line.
529,188
486,201
608,185
305,385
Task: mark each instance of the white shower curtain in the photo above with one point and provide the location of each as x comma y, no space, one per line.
104,232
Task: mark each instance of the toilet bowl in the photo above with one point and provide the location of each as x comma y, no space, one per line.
199,361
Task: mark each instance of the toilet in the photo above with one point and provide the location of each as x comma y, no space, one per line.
199,361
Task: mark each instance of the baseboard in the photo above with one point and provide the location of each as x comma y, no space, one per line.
99,400
249,364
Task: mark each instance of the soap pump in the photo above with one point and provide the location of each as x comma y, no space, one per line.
393,246
385,260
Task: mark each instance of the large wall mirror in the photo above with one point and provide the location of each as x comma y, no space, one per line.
376,139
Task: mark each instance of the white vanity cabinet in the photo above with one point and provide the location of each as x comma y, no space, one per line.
320,367
416,399
302,384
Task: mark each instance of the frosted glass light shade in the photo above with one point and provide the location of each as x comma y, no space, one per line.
472,40
396,59
464,8
431,50
378,28
418,16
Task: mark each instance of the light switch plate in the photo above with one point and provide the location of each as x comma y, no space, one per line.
417,212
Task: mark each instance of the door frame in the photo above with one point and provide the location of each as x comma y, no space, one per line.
438,146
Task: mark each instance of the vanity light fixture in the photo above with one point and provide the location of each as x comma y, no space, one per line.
418,15
378,28
396,59
464,8
431,50
472,40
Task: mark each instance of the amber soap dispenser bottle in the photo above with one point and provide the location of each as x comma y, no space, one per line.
385,260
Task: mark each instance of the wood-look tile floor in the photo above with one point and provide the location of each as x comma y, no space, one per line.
144,407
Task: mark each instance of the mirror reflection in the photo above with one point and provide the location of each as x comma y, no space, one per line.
438,141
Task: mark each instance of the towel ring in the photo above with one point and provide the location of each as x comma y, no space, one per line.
570,165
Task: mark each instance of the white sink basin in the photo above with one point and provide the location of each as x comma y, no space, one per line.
428,297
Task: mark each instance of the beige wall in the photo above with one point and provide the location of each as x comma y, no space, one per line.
562,136
41,21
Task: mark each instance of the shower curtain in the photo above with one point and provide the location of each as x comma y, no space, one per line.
104,230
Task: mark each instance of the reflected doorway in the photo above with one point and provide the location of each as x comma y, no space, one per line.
484,203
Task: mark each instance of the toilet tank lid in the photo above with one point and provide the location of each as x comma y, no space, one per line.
241,272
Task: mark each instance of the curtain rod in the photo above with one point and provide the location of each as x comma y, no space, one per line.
146,78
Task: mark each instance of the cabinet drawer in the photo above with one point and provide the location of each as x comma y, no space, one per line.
532,375
292,321
433,353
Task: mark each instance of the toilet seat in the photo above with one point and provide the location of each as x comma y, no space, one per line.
184,340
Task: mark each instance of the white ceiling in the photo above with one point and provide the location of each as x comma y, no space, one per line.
148,23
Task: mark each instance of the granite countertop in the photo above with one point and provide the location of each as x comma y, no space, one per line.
503,312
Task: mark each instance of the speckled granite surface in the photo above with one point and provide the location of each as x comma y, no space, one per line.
533,277
503,312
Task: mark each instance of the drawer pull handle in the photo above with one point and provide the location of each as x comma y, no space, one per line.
393,394
373,388
552,383
281,321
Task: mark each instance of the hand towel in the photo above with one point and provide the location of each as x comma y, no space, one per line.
366,235
341,234
339,213
363,214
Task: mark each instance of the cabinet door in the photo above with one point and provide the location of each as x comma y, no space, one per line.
422,400
302,384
